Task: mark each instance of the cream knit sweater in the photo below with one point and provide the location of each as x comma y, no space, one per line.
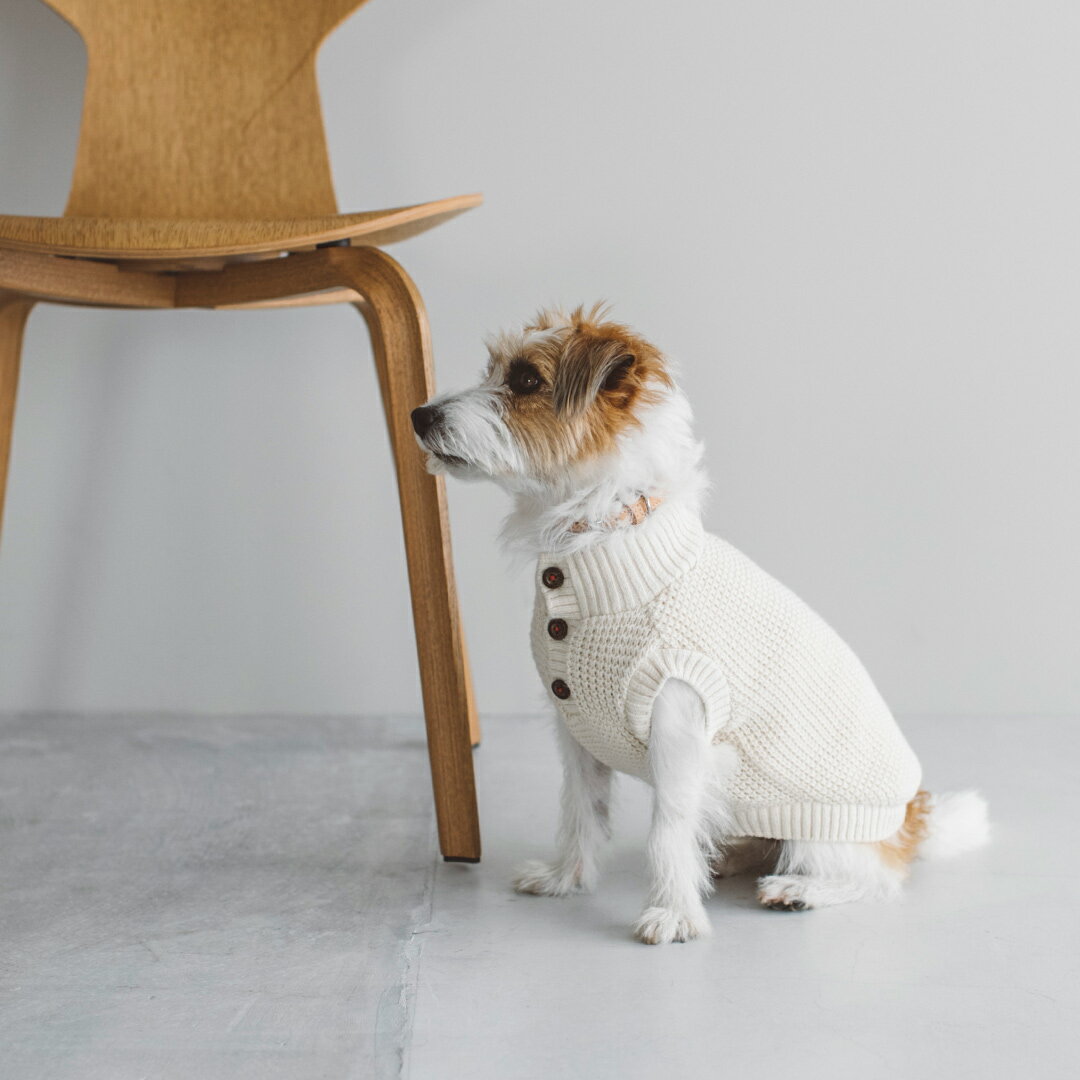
821,757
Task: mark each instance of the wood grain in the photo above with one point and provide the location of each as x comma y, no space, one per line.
14,311
298,274
474,716
202,108
399,335
77,281
146,238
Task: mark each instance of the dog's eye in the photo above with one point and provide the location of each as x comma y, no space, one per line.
524,379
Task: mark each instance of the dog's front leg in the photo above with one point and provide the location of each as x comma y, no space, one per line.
583,825
680,761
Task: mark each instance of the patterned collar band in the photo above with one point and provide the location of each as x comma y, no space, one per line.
632,514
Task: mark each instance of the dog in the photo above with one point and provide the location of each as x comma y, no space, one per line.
670,656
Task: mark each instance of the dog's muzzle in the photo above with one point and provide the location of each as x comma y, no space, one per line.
425,418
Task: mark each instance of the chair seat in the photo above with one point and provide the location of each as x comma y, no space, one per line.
143,238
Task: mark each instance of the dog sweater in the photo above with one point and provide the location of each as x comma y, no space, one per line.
820,755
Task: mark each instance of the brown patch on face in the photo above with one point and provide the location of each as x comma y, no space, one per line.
595,376
900,849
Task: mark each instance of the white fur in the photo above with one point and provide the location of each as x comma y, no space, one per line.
660,455
583,825
958,823
474,430
690,838
687,774
815,873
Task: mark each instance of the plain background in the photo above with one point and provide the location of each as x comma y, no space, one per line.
854,225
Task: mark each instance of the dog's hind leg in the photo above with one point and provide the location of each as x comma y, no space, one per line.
812,873
583,825
817,873
683,770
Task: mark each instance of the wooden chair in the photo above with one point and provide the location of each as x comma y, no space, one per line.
202,180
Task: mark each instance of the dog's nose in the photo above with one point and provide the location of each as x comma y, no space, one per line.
424,419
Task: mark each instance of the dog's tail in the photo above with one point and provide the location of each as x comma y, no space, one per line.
953,823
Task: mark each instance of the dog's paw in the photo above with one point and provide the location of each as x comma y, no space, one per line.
547,879
783,892
660,926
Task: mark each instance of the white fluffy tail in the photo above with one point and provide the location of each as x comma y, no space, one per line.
958,822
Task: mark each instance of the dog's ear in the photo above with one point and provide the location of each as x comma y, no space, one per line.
592,366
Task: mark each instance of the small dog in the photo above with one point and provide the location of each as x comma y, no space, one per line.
670,656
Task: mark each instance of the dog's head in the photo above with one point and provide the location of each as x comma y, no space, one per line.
556,397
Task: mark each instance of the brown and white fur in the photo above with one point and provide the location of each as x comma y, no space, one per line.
578,416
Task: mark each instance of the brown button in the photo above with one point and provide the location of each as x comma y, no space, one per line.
557,628
560,689
552,577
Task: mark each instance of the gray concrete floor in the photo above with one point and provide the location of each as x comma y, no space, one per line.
200,899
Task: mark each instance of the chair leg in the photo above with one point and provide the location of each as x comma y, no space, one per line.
474,716
14,310
396,319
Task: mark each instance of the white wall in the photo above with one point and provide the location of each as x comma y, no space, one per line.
854,224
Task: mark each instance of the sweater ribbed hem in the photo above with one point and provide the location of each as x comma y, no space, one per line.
818,821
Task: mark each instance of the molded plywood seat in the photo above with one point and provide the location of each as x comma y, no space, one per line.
147,238
201,157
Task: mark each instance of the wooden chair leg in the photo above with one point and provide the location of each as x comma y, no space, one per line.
400,340
14,310
474,716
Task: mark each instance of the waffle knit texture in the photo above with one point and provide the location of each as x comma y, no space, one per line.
820,755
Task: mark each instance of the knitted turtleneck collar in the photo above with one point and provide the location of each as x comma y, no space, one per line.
629,566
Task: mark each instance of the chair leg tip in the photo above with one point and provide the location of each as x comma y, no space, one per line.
460,858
